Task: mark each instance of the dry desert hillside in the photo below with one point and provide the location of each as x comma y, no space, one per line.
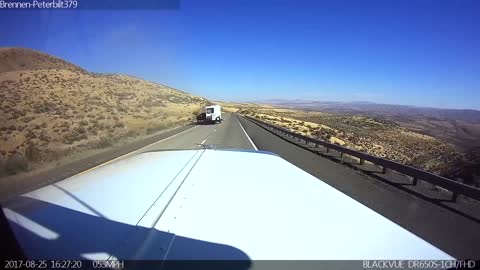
376,136
16,59
50,108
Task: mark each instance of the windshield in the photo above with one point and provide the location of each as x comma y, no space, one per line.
379,100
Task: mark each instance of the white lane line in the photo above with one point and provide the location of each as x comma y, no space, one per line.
203,141
248,137
134,151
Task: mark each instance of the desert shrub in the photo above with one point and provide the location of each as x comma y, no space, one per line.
100,126
44,137
83,123
80,130
44,107
119,124
77,134
92,130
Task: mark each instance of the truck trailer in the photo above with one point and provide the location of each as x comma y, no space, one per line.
213,114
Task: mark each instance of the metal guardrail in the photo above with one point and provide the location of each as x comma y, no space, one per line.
455,187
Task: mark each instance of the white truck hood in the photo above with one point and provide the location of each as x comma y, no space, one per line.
204,204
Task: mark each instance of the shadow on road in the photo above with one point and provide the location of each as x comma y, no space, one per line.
205,123
63,233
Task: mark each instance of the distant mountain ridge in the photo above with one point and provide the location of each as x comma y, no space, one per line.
460,127
378,109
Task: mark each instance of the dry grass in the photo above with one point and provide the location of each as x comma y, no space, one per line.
16,59
55,108
375,136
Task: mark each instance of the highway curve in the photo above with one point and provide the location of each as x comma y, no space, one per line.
448,228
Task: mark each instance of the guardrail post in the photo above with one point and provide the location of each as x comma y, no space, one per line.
316,145
384,169
362,161
341,154
328,150
454,196
414,181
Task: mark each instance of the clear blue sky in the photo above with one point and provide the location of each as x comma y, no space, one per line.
424,53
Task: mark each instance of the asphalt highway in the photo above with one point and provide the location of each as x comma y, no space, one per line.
454,229
228,134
